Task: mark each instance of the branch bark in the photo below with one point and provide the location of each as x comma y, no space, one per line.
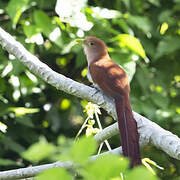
149,131
32,171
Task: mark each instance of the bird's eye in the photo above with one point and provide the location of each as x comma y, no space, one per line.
91,43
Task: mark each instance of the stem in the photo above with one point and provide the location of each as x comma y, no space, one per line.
82,127
100,127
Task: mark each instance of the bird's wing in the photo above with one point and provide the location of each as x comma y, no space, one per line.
111,78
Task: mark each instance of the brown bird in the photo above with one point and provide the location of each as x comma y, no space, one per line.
113,81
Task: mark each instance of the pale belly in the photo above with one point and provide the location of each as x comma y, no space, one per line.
91,80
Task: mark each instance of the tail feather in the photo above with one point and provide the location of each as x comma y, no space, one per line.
128,131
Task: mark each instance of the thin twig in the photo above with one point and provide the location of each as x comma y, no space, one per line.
100,127
82,127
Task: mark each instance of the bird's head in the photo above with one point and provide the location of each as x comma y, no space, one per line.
94,49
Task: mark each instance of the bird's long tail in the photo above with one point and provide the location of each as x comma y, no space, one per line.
128,131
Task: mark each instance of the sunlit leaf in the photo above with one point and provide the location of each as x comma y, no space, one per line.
177,78
39,151
84,72
83,149
178,110
126,40
61,61
33,34
54,174
15,9
111,165
30,30
43,22
65,104
163,28
21,111
140,173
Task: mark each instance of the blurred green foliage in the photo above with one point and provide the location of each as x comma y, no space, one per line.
142,36
104,167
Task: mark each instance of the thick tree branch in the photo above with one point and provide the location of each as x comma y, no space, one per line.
32,171
149,131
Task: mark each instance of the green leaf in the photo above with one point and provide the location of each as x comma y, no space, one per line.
54,174
167,45
31,30
53,32
160,100
39,151
43,22
83,149
8,162
143,23
26,121
164,28
15,9
80,59
155,2
126,40
122,24
111,165
126,3
18,67
140,173
141,75
126,62
3,86
10,144
165,15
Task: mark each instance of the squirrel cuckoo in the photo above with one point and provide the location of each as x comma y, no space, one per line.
113,81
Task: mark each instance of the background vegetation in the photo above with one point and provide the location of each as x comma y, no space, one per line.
153,67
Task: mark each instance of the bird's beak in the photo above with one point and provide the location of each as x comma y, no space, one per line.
80,41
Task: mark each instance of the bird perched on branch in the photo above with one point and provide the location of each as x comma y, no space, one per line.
113,81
